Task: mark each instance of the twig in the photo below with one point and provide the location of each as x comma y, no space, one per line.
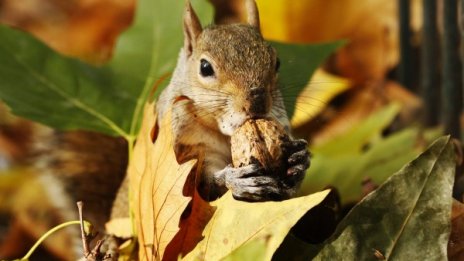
85,240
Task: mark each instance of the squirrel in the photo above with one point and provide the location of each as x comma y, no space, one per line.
225,75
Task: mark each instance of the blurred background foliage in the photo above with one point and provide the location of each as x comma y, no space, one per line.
361,123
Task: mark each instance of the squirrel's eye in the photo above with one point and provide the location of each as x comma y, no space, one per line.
277,66
206,69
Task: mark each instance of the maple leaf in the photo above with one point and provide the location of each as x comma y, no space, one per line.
235,223
157,183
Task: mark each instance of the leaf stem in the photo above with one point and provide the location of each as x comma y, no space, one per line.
46,235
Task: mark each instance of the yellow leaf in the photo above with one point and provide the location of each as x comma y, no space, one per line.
120,227
372,35
312,100
157,183
236,223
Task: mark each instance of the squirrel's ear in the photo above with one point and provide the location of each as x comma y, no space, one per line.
253,14
192,28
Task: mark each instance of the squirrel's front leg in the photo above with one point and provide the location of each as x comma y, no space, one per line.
250,183
298,162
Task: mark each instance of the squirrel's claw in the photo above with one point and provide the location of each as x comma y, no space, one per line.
299,159
298,162
249,183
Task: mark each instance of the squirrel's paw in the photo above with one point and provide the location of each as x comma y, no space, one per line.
249,183
298,162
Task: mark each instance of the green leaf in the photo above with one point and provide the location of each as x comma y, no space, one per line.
149,49
407,218
358,136
39,84
344,162
298,63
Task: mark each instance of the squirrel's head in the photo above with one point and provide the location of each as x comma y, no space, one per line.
232,70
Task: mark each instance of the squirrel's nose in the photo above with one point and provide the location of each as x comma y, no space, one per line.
257,104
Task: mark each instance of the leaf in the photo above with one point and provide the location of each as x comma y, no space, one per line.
359,153
372,48
120,227
354,139
298,63
64,93
407,218
378,162
253,250
84,29
43,86
318,92
235,223
157,183
295,249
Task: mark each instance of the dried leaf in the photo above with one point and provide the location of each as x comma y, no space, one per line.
157,183
298,63
236,223
407,218
193,222
372,48
318,92
120,227
253,250
84,28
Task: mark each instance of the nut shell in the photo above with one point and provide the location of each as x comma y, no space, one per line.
259,140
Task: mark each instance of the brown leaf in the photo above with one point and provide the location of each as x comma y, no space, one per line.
87,29
193,222
157,183
456,241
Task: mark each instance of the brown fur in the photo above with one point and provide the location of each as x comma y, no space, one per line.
87,166
244,86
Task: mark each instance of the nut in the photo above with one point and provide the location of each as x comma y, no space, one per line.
260,140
